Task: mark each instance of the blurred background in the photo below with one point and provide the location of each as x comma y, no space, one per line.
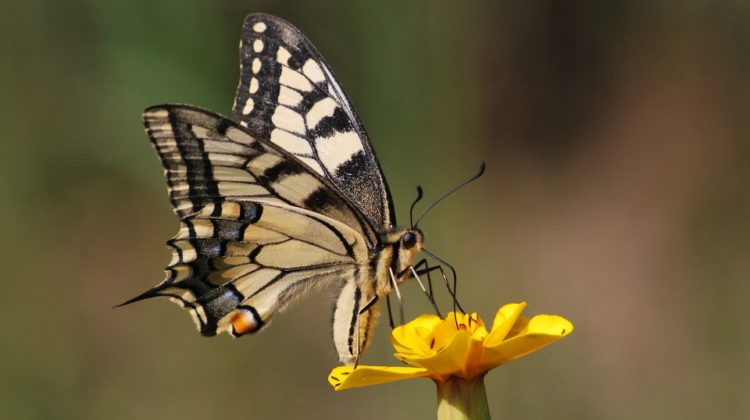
616,194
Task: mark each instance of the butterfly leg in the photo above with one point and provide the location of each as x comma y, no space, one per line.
428,269
390,314
368,305
429,295
398,295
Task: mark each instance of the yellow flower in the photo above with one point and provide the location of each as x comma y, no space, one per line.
458,347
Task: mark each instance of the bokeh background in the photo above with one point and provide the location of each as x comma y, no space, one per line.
617,194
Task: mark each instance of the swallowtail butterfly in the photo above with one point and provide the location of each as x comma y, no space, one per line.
284,197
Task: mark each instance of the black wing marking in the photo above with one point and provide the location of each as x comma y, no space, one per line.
258,227
209,159
237,263
353,321
288,94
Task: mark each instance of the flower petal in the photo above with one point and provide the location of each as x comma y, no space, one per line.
426,321
345,377
450,359
472,360
412,336
540,331
470,322
504,320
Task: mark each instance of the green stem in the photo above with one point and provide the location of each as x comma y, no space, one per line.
459,399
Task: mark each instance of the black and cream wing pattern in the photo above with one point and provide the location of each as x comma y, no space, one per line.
285,197
256,227
288,94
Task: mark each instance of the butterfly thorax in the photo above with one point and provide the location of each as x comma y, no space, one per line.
399,248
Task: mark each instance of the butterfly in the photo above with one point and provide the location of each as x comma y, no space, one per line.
285,197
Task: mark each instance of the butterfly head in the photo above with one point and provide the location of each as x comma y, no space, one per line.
405,244
412,240
405,239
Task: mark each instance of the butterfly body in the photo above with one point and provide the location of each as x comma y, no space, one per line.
284,198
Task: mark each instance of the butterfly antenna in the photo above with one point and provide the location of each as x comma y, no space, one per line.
411,210
456,188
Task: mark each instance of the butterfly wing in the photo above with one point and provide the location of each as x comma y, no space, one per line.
288,94
235,267
258,228
209,159
353,327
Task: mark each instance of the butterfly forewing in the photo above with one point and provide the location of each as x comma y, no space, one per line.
209,159
288,94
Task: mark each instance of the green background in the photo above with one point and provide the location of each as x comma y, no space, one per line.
616,194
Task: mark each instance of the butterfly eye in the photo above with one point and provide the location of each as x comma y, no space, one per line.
409,239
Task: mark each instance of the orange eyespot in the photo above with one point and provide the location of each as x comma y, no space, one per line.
243,322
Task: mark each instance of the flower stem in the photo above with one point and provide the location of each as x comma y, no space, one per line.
459,399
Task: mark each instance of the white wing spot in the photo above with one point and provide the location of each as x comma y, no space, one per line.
323,108
253,85
198,315
200,132
158,113
221,146
179,186
259,27
290,142
222,159
256,65
258,45
248,108
283,56
239,136
203,228
294,80
263,162
296,188
338,149
164,127
227,174
288,119
289,97
240,189
312,163
313,71
187,253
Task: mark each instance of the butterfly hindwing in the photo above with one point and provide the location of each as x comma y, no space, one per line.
354,321
235,267
288,94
